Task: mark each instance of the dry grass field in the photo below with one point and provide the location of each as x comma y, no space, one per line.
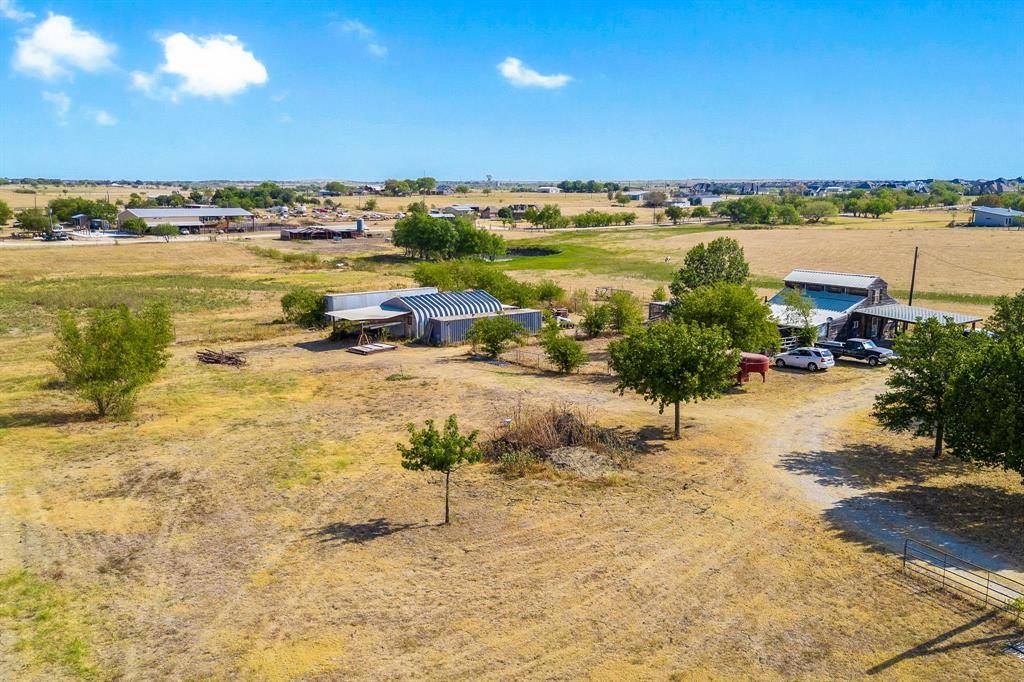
255,523
42,194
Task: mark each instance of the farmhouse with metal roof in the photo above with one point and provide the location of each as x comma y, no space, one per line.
850,305
198,218
992,216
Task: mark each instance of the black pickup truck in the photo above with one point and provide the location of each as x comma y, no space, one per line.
861,349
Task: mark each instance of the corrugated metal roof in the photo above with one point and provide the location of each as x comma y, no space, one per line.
995,210
169,212
507,311
913,313
426,306
373,312
824,300
360,299
831,279
781,315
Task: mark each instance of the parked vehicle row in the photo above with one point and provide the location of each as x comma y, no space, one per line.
811,359
859,349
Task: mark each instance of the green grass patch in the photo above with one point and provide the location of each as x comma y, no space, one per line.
307,464
32,306
42,616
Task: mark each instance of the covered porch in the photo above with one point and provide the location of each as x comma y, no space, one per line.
887,321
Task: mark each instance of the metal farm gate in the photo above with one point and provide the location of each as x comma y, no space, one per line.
963,578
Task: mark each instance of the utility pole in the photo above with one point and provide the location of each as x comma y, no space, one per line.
913,278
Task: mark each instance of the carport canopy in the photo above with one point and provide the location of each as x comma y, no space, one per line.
913,314
373,313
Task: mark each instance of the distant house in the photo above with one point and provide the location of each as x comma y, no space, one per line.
442,214
636,194
356,229
195,219
849,305
443,190
548,189
705,199
462,209
991,216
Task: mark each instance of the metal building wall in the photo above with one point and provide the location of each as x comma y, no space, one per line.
443,331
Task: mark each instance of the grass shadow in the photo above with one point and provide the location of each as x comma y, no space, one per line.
342,533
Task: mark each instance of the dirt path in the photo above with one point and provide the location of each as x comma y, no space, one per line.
813,431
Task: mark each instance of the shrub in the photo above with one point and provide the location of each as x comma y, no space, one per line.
164,230
579,300
595,319
659,293
116,354
304,307
135,226
494,334
565,353
517,463
548,291
624,310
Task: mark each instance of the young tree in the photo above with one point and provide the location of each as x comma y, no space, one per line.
700,213
445,452
799,315
659,294
595,320
564,353
816,211
721,260
986,406
5,212
922,376
462,189
736,309
675,214
494,334
877,206
674,362
116,354
655,198
624,310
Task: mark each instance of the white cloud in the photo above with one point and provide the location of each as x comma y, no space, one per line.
522,76
280,97
213,66
55,48
9,10
101,117
61,105
365,34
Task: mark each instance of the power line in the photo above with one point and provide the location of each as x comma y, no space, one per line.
977,272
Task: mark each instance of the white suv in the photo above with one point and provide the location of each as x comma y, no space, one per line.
811,359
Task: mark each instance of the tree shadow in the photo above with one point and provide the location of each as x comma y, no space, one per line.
865,465
342,533
988,518
950,641
46,418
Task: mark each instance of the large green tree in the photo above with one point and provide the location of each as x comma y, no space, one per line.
736,309
922,376
442,451
816,211
5,212
114,355
494,334
986,406
720,260
670,362
34,220
1007,315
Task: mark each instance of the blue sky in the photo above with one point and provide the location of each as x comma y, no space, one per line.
524,90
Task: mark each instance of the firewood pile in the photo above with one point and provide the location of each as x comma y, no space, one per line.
220,357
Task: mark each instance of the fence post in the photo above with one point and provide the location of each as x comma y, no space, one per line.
943,571
906,543
988,582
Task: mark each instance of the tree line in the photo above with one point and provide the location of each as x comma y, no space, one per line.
430,238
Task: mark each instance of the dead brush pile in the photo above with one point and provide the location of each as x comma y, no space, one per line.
560,434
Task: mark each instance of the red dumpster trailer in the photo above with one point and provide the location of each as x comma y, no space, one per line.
752,363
